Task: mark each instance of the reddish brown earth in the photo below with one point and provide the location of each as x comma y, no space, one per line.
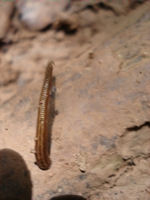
100,143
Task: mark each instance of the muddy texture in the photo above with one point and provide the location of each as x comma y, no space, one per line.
101,131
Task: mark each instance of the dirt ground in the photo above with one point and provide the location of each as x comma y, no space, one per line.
100,139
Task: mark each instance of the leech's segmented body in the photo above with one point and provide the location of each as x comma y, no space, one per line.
42,134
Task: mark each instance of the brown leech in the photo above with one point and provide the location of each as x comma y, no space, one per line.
42,133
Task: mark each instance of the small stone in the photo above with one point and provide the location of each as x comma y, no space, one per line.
59,190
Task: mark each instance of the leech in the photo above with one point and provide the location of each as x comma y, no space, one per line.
42,133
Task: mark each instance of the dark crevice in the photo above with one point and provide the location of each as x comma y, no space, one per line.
68,197
129,162
95,7
135,3
104,6
112,175
107,7
67,27
136,128
47,28
4,45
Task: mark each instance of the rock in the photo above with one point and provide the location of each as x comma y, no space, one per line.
36,15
